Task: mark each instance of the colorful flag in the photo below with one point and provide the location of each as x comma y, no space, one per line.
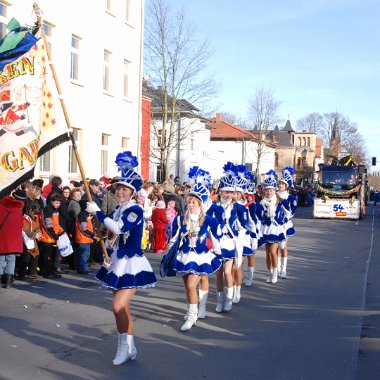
30,124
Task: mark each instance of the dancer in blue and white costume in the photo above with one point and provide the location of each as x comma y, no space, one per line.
254,226
284,184
226,211
276,213
194,259
129,269
244,239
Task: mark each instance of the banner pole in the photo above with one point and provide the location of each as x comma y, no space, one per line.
37,11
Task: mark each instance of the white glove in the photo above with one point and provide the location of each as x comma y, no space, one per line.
92,207
107,265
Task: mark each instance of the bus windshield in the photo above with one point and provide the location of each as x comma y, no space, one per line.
347,178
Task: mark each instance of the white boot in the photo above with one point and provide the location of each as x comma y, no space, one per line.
248,281
122,349
187,312
283,272
203,295
236,297
270,274
274,276
219,302
191,318
132,351
229,296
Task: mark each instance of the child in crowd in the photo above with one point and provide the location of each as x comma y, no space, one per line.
171,214
31,233
160,221
84,237
51,231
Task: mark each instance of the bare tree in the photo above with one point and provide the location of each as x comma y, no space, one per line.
336,129
234,119
310,123
174,60
262,111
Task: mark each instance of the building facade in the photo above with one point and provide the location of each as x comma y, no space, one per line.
99,76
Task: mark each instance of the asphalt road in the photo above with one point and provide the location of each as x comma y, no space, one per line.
323,322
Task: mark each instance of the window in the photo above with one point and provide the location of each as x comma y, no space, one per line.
3,19
106,72
104,153
159,175
304,141
128,11
126,73
308,141
74,69
192,141
48,29
109,5
276,159
299,141
45,162
159,137
73,163
124,142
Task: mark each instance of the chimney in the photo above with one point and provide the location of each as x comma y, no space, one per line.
218,117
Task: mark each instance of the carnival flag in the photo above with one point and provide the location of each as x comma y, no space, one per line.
30,125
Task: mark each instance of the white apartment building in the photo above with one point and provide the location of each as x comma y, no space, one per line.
96,48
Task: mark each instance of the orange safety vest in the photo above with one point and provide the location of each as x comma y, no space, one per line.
80,236
46,238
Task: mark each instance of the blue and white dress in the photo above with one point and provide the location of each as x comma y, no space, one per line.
274,215
292,201
245,230
129,267
254,226
231,217
193,256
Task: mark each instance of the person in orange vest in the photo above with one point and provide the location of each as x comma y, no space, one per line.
51,231
84,237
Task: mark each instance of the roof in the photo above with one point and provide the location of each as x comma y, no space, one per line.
223,130
157,96
288,127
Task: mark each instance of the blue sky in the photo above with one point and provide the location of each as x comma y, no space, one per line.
315,55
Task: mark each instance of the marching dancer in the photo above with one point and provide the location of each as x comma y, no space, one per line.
275,214
129,269
284,184
244,238
194,259
225,211
254,227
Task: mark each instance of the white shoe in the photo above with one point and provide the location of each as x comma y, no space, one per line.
219,302
229,296
132,353
248,281
283,274
122,354
191,319
237,296
270,275
203,295
275,276
187,312
228,305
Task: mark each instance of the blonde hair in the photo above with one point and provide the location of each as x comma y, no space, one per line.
202,215
32,192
